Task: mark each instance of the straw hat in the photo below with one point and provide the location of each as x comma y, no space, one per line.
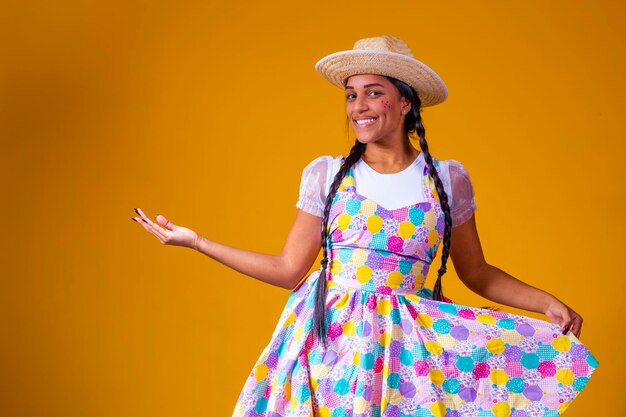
384,55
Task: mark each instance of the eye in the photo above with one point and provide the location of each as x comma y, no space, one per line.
374,93
350,96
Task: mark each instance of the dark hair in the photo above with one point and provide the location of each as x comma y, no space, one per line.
412,123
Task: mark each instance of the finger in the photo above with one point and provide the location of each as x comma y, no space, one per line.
567,321
577,326
164,222
151,229
157,230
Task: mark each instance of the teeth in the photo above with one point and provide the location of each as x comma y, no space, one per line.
362,122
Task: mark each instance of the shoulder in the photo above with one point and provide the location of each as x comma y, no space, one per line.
326,164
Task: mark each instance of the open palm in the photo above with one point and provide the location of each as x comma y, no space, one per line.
167,232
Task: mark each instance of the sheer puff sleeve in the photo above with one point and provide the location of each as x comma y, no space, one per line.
314,185
460,193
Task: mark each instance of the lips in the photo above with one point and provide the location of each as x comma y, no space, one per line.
365,122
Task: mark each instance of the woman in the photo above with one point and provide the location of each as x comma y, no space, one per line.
369,339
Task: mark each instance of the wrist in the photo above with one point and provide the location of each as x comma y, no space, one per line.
196,242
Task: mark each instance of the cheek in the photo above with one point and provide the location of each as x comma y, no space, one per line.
386,104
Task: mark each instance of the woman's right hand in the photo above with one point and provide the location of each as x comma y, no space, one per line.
167,232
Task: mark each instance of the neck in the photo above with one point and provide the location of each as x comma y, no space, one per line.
386,157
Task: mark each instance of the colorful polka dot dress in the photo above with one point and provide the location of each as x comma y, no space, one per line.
392,351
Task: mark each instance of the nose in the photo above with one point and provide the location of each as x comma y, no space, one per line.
359,104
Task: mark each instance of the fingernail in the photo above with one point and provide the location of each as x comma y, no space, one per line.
132,218
565,329
136,210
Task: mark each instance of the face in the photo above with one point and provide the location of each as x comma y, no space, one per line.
375,108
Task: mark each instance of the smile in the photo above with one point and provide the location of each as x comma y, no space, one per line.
365,122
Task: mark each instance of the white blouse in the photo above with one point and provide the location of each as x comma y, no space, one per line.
391,191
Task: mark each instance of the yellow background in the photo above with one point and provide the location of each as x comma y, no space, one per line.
207,112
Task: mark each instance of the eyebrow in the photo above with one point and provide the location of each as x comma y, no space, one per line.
349,87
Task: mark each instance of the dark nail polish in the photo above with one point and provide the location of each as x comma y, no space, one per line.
132,218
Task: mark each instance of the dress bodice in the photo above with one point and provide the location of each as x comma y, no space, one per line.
383,250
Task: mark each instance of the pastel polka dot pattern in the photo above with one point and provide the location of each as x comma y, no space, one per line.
392,351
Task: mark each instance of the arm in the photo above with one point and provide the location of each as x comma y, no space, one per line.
284,270
496,285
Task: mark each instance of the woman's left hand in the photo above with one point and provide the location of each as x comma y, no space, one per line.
565,317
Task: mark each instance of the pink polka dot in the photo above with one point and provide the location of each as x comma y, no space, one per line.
547,368
481,370
334,330
467,314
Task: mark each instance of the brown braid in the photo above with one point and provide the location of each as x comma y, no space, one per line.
413,122
319,325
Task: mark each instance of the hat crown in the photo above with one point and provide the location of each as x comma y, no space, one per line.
384,43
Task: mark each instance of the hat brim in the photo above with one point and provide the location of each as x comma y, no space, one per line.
338,67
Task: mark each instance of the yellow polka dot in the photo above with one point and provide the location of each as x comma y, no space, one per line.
501,409
413,297
356,360
438,409
359,256
436,376
432,237
298,334
368,208
496,346
349,329
430,220
564,376
335,266
486,318
349,181
374,224
566,404
434,348
343,221
363,274
425,320
360,405
323,411
291,319
385,339
293,402
562,344
260,372
499,377
330,284
395,279
406,230
383,307
343,301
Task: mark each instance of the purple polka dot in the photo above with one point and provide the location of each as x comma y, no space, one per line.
525,329
468,394
513,353
395,348
272,360
407,326
579,352
326,387
518,413
374,260
330,358
453,413
367,394
408,390
383,213
459,332
533,393
392,411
